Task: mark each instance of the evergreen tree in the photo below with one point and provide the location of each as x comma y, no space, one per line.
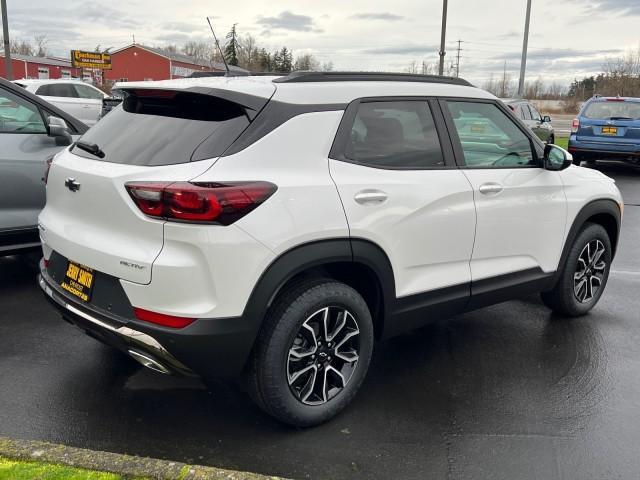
231,50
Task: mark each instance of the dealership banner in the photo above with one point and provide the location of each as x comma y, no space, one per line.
80,59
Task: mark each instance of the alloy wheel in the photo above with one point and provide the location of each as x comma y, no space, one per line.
324,355
590,271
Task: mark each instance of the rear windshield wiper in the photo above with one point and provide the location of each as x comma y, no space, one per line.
91,148
620,118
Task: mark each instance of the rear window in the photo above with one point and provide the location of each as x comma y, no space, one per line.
166,127
607,110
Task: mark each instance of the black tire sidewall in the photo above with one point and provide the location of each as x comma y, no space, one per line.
277,396
588,234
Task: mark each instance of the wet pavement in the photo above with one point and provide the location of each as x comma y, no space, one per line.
509,392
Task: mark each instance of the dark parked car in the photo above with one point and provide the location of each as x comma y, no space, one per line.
31,131
607,128
527,112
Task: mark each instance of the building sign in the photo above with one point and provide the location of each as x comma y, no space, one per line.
80,59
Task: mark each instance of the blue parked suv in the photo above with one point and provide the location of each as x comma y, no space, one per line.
606,128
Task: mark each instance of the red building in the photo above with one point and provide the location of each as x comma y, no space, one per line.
26,66
138,62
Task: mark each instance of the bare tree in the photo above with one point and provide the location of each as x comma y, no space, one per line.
41,44
20,47
306,61
248,53
327,66
197,50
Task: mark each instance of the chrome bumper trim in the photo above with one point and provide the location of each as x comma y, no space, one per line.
135,338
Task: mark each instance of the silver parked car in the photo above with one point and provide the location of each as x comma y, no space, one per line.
528,113
31,131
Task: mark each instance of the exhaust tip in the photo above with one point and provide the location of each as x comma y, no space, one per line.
149,362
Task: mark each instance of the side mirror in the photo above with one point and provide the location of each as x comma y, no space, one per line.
556,158
57,128
546,119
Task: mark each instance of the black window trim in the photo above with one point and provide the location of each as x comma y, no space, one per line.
457,145
343,134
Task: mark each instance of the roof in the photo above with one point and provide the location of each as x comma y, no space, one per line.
180,57
59,62
310,76
323,92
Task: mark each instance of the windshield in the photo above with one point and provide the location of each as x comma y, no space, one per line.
607,110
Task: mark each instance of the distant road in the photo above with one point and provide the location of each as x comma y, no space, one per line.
562,124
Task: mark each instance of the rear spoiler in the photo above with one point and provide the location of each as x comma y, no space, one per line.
252,104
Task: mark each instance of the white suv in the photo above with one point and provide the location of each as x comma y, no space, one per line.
75,97
272,228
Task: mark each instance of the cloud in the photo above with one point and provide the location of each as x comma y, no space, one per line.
288,21
377,16
621,6
402,50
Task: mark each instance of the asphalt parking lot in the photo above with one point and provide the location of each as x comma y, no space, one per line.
507,392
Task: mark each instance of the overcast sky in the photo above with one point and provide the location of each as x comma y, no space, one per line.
569,38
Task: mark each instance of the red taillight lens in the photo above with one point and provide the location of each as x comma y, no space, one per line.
220,203
575,125
162,319
47,167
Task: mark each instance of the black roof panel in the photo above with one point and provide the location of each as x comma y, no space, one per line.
300,77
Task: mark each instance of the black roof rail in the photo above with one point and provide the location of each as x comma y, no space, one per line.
300,77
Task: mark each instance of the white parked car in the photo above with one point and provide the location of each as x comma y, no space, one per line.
78,98
274,227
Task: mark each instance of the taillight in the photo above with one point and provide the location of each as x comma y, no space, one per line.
170,321
219,203
575,125
47,167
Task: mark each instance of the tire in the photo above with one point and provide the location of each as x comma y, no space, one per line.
285,348
568,297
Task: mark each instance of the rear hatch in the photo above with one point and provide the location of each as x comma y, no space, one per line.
156,135
612,121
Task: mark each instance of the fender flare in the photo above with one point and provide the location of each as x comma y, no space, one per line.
316,254
596,207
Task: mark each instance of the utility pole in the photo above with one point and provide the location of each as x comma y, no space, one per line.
443,36
525,42
458,59
7,45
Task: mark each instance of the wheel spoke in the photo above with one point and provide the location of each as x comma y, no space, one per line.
342,321
578,288
600,267
299,373
310,386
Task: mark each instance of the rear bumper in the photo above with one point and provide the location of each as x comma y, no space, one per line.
602,149
209,348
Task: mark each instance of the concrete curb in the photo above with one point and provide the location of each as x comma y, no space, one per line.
125,465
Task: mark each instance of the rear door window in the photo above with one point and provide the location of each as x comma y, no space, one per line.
57,90
396,134
166,127
84,91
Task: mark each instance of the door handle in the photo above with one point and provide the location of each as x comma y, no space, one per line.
490,188
86,106
370,197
